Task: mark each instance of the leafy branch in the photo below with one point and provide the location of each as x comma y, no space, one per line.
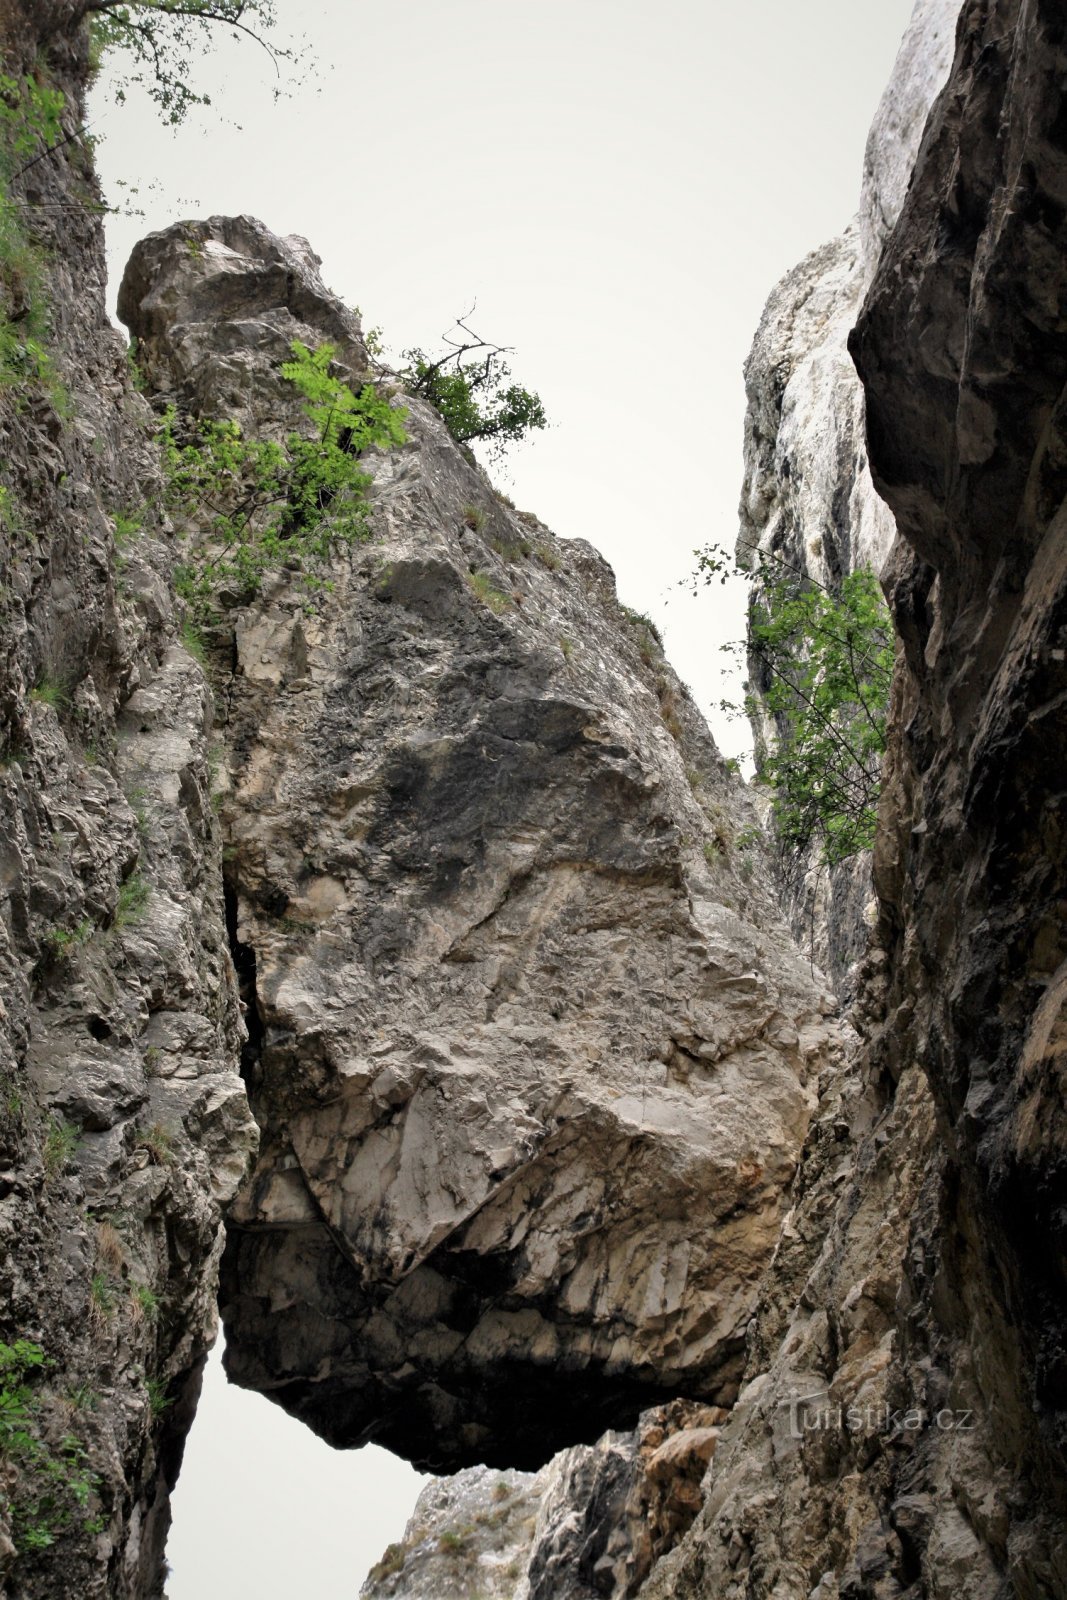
823,662
468,384
163,38
259,505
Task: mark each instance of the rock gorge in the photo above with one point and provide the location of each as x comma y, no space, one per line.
406,940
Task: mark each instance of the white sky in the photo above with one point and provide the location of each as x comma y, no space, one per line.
618,184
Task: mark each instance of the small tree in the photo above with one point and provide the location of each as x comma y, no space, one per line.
469,386
162,38
257,505
824,661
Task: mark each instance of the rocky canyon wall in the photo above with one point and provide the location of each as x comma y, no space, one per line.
124,1125
441,874
808,505
901,1430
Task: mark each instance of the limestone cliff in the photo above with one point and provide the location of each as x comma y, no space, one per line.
123,1121
808,504
902,1427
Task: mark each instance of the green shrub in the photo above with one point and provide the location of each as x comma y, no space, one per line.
49,692
158,1143
145,1302
823,662
488,593
510,549
272,505
101,1295
391,1563
468,385
157,42
64,941
30,125
51,1486
158,1399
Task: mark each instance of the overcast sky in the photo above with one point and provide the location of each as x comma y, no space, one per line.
618,184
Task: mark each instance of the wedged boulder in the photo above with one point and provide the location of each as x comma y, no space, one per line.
532,1053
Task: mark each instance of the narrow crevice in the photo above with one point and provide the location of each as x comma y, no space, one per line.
244,963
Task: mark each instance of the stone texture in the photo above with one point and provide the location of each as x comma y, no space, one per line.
534,1056
808,501
469,1535
592,1522
920,1274
119,1021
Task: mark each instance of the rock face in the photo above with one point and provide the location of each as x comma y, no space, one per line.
533,1055
808,501
124,1125
469,1534
902,1430
592,1522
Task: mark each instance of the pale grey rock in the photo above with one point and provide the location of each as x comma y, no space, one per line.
591,1523
534,1053
468,1535
919,1273
808,501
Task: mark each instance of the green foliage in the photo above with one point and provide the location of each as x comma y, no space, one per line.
452,1541
60,1143
101,1295
64,941
49,692
159,40
392,1562
158,1143
83,1397
473,517
145,1301
52,1486
133,898
269,505
30,126
823,662
469,386
31,115
158,1399
128,527
193,641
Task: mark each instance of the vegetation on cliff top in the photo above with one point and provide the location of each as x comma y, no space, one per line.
468,384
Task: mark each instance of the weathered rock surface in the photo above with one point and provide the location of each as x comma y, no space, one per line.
808,501
534,1057
469,1534
124,1125
902,1431
592,1522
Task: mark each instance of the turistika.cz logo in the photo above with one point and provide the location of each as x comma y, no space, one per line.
814,1413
